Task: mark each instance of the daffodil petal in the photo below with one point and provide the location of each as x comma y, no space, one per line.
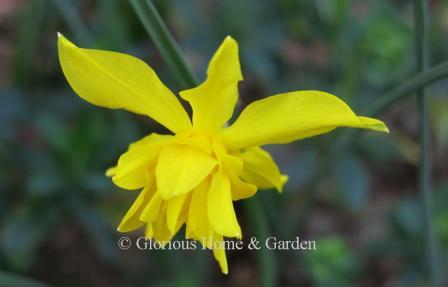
134,165
181,168
160,228
120,81
195,139
149,232
131,220
240,189
151,212
173,211
292,116
233,166
198,226
111,171
373,124
221,214
183,216
220,254
214,100
261,169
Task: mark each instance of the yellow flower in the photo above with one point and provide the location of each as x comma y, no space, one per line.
193,176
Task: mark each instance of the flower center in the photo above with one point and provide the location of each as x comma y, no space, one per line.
207,142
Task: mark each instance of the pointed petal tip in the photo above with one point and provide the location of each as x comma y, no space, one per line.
380,128
283,180
229,40
373,124
224,268
64,42
110,172
172,228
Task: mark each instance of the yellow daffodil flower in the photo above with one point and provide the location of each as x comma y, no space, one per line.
193,176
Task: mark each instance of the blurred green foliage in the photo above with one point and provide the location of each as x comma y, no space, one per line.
58,212
333,263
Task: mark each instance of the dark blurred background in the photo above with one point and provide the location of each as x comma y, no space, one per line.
58,212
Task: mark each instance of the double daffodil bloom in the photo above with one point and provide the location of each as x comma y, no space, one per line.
193,176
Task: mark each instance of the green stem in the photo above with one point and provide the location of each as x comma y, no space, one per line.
382,103
268,267
421,80
164,41
422,56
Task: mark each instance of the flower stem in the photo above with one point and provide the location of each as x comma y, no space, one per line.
419,81
164,41
422,56
268,267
